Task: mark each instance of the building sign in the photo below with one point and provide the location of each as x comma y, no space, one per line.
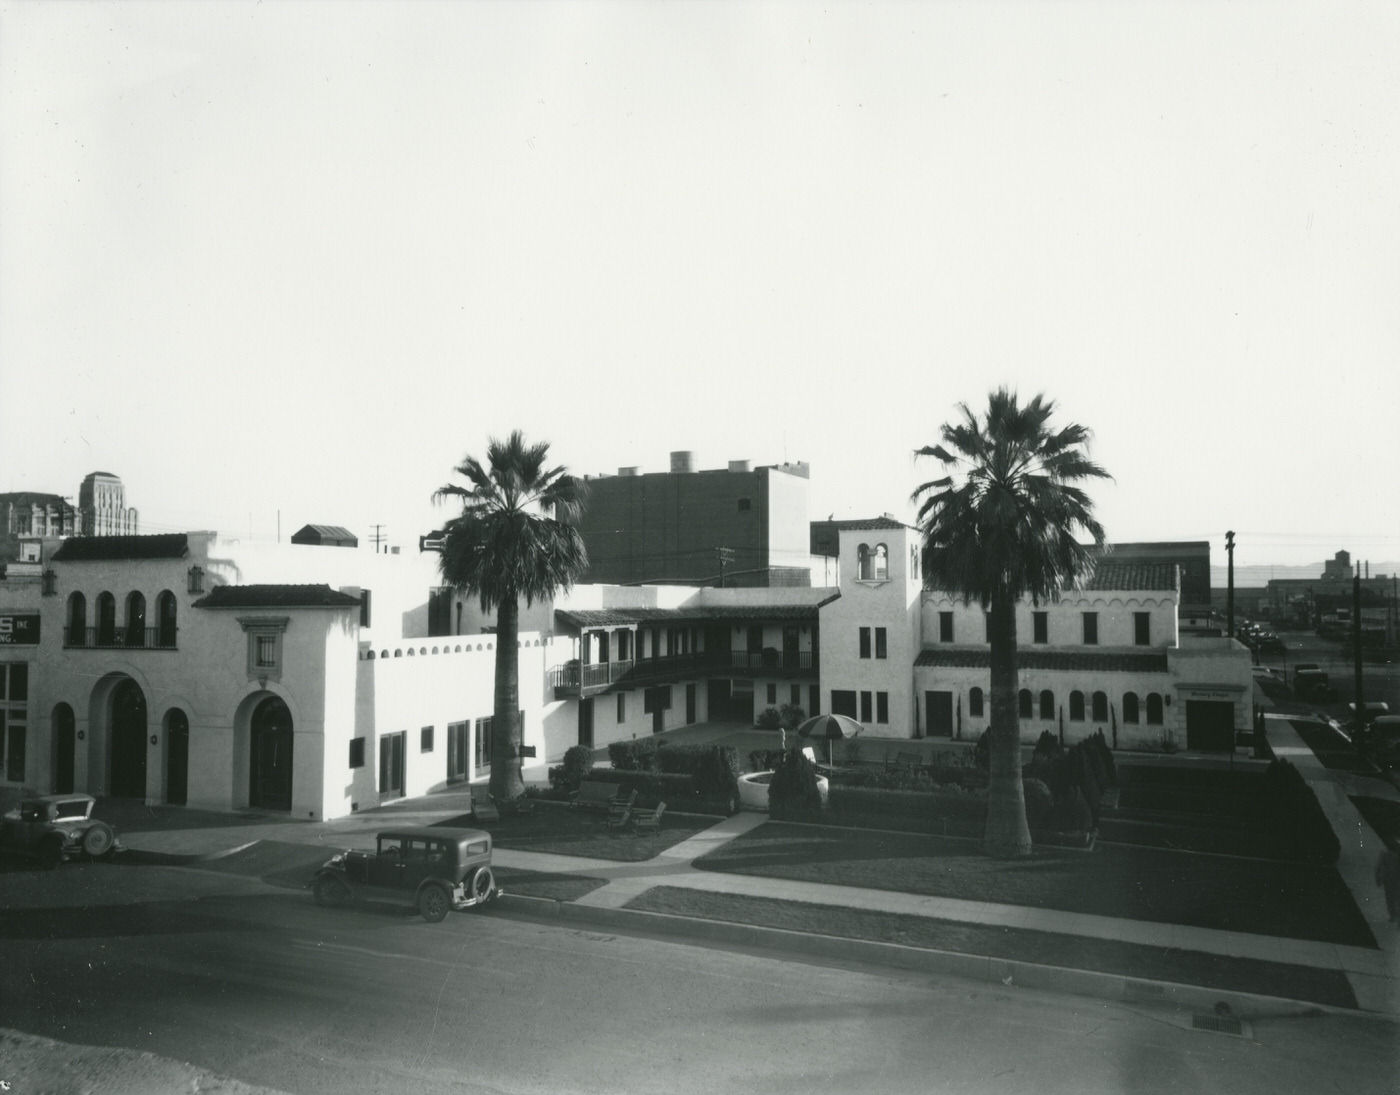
19,630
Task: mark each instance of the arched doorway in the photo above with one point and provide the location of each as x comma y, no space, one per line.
165,612
64,749
270,767
128,741
177,760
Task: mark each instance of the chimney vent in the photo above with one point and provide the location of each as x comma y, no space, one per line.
682,462
740,465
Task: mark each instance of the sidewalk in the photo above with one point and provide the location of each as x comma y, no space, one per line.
1374,975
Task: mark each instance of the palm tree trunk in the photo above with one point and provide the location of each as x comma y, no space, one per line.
1007,834
505,728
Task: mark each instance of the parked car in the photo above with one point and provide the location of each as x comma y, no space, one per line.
1270,644
52,828
434,868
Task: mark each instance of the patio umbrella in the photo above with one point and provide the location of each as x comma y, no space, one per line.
829,728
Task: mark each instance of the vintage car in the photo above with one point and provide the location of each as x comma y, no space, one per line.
52,828
435,868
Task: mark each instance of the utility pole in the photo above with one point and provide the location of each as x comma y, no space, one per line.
726,556
378,537
1360,726
1230,586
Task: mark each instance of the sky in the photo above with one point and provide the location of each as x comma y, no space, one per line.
288,263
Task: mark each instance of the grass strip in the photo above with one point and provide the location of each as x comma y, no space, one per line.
1261,897
559,887
1134,960
1383,815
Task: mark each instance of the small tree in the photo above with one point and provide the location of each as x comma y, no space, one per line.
793,792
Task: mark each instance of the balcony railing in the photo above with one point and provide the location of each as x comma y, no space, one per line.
575,679
119,638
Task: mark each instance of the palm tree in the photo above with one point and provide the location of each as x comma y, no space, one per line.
999,526
516,537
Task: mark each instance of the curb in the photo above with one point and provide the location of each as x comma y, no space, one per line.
178,859
1008,972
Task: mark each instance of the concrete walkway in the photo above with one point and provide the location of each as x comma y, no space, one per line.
1374,975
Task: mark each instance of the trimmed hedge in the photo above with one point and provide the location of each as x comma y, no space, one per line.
679,792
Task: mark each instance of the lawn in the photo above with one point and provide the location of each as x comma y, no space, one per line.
562,830
1133,960
1263,897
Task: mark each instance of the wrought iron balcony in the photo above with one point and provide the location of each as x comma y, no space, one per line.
119,638
573,679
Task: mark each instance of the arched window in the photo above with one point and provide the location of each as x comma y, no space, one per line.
974,703
1026,702
135,619
77,620
1130,707
1154,709
106,619
1076,706
1047,704
1100,707
165,614
863,565
882,562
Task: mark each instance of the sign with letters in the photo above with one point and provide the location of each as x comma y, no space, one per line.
19,629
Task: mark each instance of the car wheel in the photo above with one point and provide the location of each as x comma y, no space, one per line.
433,903
51,851
330,892
98,840
482,885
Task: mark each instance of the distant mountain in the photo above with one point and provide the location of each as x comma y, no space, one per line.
1249,576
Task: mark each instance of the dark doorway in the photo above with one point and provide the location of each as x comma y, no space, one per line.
658,715
791,658
128,741
585,722
457,751
64,749
177,760
165,612
1210,726
270,770
391,750
689,704
939,708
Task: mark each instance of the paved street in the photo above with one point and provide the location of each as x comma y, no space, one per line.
1381,682
256,982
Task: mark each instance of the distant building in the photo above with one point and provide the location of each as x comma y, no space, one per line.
28,516
734,526
1338,569
325,536
102,505
1192,556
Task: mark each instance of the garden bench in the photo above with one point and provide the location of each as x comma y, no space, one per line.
592,795
619,804
620,819
651,820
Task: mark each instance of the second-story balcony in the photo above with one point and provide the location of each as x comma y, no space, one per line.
119,638
579,679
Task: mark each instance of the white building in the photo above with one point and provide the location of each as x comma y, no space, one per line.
194,669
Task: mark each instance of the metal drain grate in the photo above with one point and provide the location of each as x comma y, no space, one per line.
1219,1024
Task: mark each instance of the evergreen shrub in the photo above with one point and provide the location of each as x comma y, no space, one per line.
793,794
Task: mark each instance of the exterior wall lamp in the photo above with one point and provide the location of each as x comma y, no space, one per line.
154,739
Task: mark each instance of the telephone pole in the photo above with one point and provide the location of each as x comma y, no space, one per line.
726,556
1230,586
378,537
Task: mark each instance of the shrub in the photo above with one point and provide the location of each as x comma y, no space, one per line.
793,792
1047,748
1106,755
1040,804
982,752
635,755
790,716
1096,764
770,718
764,760
852,751
1071,814
578,762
